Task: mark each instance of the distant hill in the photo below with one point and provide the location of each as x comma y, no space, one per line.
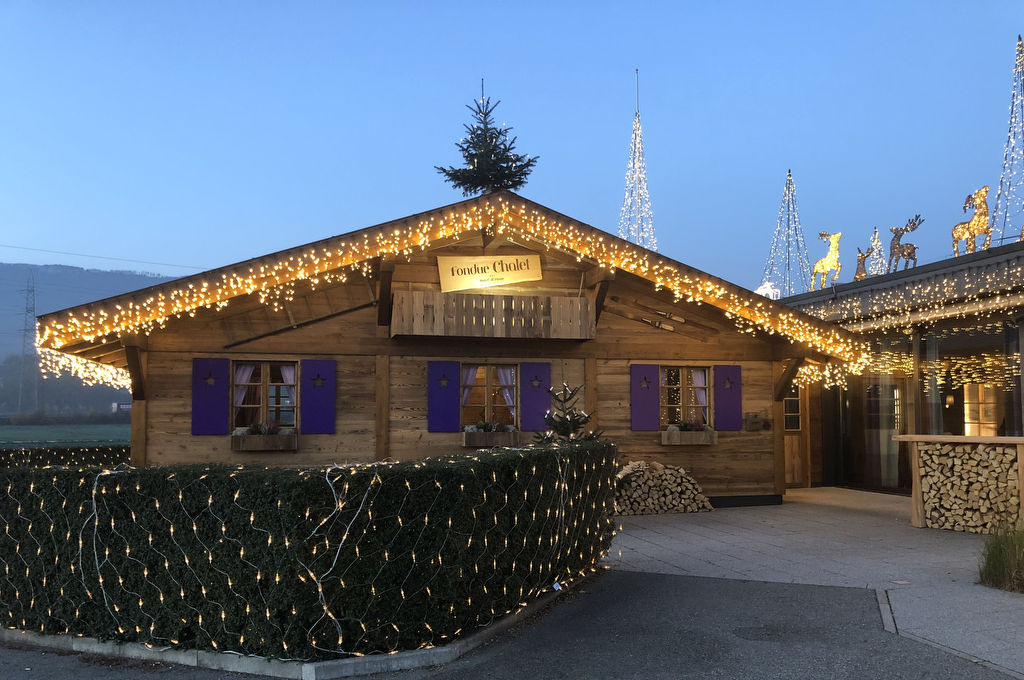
57,287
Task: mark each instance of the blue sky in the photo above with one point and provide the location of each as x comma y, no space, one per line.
200,134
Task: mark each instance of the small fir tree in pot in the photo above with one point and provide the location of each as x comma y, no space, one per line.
489,153
565,422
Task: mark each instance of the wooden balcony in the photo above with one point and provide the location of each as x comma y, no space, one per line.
492,316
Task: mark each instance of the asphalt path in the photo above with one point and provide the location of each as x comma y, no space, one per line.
624,624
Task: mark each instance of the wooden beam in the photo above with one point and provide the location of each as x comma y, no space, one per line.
596,275
599,298
382,428
303,324
133,356
786,379
384,302
138,453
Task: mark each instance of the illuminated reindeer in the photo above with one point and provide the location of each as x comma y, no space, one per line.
830,261
904,251
862,272
978,224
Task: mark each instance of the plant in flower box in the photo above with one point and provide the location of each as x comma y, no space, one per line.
264,437
688,433
487,435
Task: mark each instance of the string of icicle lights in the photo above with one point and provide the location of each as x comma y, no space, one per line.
274,280
1001,371
979,295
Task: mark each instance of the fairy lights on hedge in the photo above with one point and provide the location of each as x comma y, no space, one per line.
299,564
274,281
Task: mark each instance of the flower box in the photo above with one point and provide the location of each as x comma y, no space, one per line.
264,442
486,440
689,438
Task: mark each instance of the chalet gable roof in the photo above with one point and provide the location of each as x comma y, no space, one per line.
272,277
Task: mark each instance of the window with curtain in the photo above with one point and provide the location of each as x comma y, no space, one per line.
489,394
684,395
264,392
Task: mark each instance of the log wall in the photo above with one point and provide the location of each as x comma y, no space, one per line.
381,380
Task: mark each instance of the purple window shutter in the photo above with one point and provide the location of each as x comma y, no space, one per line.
728,398
644,397
535,400
316,397
211,395
443,396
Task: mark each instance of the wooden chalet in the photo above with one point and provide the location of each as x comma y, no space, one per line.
392,341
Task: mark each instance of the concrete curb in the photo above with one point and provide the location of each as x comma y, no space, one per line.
885,609
964,655
293,670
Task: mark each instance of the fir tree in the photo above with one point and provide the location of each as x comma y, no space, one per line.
491,163
565,422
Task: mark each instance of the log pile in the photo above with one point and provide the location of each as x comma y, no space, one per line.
655,489
969,487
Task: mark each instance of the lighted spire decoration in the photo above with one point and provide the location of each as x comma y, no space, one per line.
788,267
876,263
1008,220
636,221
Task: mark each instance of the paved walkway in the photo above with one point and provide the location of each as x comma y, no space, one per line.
840,537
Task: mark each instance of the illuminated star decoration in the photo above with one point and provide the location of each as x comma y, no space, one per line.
1008,218
636,220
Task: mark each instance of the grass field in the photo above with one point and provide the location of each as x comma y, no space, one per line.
20,436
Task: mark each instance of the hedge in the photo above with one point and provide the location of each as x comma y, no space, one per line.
300,564
99,456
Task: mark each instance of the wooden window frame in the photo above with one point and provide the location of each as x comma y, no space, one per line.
264,384
489,390
792,397
684,405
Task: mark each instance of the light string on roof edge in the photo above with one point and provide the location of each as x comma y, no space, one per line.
275,283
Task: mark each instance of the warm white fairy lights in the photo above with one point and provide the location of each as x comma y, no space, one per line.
359,559
788,266
1008,219
636,220
877,264
274,278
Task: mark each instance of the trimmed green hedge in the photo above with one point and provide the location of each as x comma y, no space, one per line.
79,456
301,564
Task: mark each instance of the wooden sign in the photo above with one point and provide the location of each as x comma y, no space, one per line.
461,273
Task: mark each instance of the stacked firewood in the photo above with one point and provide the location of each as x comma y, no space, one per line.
969,487
654,489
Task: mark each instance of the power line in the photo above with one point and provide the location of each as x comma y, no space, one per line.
102,257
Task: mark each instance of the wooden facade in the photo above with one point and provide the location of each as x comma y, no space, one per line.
588,324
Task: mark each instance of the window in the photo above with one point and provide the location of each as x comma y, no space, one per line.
684,396
264,392
488,394
791,408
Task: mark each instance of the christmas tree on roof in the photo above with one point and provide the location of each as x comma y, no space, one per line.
491,163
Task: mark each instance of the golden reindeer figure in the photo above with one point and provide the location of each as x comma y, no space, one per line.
830,261
978,225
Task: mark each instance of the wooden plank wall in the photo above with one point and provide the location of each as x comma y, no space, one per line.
409,436
337,321
742,463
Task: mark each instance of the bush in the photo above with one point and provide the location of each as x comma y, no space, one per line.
1002,560
301,564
